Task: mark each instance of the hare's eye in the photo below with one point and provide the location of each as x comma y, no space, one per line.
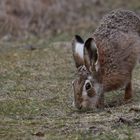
88,86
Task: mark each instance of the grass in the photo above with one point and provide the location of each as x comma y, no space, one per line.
36,97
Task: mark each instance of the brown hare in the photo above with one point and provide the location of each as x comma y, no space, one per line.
105,61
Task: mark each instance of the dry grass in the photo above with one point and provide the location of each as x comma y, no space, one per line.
36,97
39,17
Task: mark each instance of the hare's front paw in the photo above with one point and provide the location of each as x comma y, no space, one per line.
100,103
128,92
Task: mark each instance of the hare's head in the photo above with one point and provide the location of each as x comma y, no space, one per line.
87,87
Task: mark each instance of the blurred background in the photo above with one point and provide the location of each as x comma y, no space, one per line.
19,18
37,69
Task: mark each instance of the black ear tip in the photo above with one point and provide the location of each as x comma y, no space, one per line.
77,36
79,39
88,42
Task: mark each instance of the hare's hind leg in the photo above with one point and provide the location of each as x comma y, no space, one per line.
128,92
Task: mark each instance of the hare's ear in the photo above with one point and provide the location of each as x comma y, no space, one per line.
78,51
90,54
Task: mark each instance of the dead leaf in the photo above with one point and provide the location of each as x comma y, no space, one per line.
135,108
39,134
125,121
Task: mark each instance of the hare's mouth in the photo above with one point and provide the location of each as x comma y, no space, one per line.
86,105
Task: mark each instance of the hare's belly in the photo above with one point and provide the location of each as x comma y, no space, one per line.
115,81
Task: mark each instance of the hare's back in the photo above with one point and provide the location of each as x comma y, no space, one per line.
120,20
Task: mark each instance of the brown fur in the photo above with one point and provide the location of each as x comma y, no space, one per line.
117,39
117,60
118,43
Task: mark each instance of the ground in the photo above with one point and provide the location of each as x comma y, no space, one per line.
36,97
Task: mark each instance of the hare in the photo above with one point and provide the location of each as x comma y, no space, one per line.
106,60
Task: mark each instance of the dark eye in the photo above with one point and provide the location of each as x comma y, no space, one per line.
88,86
